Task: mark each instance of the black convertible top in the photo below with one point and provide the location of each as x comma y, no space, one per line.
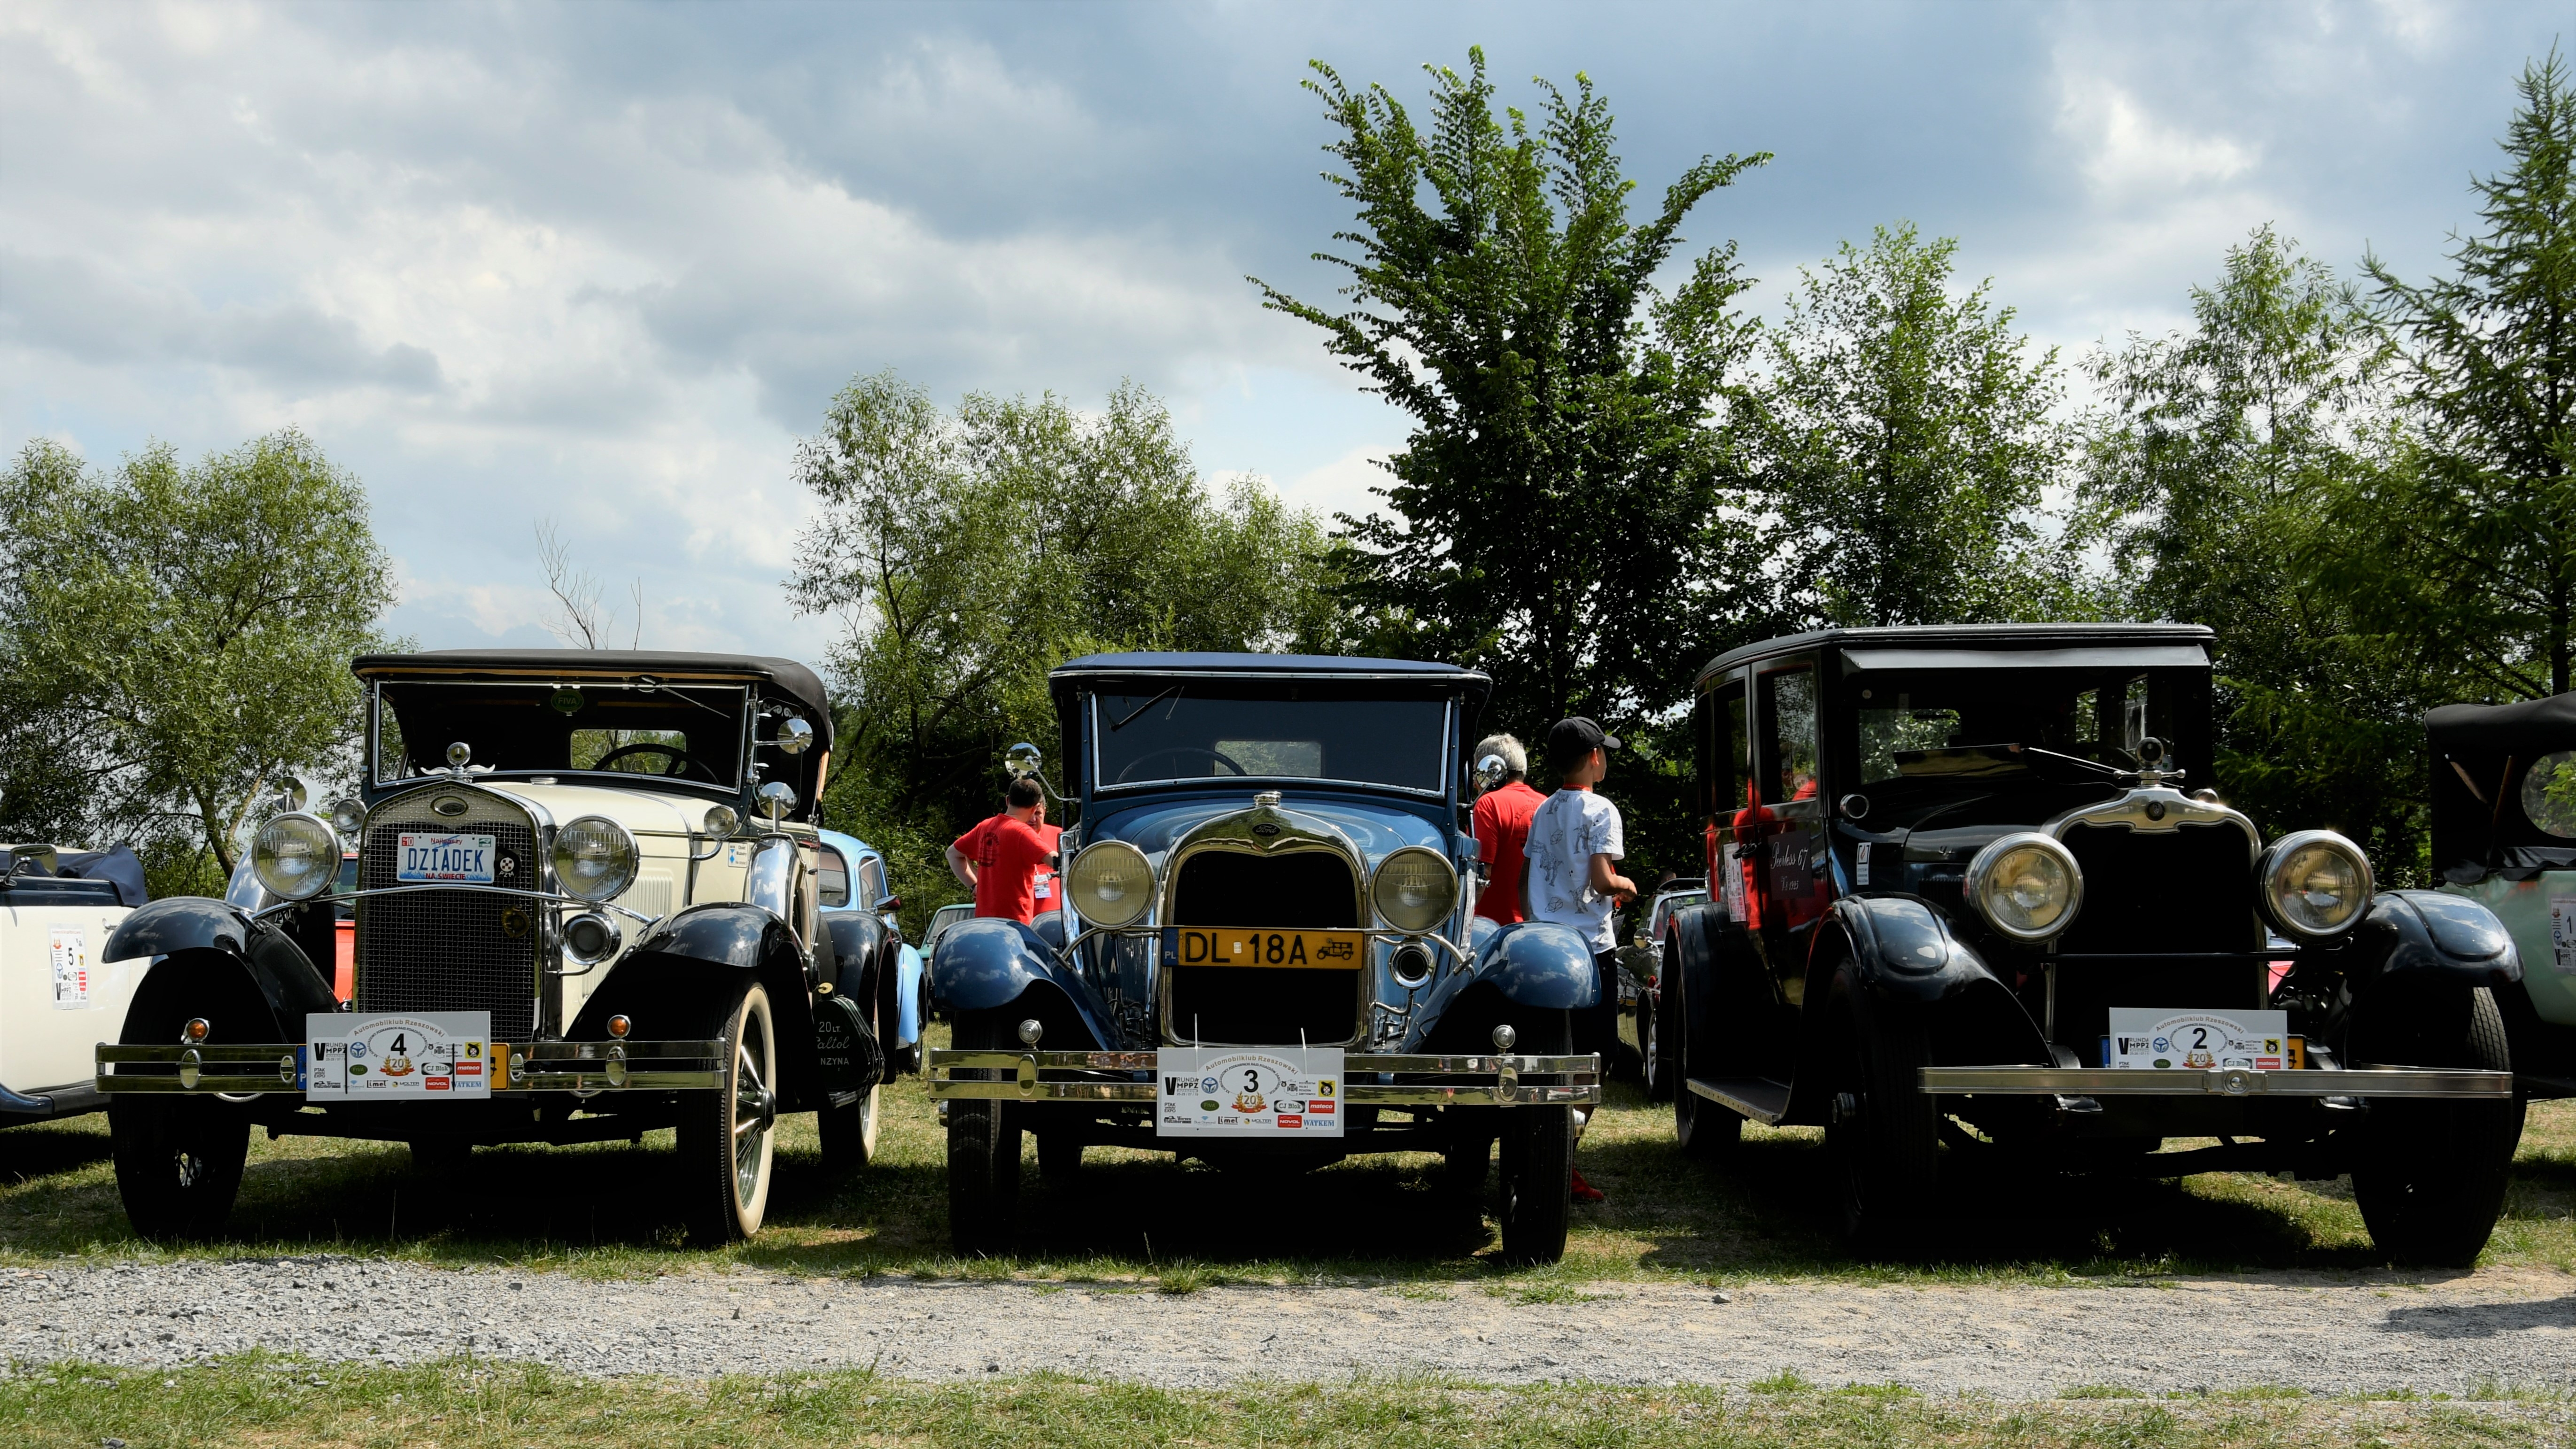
2481,754
2529,728
666,666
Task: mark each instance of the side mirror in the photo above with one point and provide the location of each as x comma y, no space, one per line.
1490,772
294,796
776,799
795,737
890,903
1022,759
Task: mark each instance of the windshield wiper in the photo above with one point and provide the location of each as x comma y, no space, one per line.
1140,709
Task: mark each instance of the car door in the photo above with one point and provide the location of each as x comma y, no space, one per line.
1785,834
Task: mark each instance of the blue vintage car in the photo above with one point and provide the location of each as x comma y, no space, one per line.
1266,956
852,875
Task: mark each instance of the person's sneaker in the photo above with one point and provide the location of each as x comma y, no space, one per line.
1584,1191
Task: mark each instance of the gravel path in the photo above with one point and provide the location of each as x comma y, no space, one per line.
2517,1328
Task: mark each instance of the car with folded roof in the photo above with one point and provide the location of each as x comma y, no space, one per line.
58,995
1977,898
587,905
1267,957
2504,835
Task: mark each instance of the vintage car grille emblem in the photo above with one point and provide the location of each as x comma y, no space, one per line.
448,950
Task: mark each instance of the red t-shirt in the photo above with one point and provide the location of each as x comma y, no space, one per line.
1008,856
1502,829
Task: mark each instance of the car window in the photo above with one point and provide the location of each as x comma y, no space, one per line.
1789,708
1908,724
2549,794
631,752
1223,730
834,887
872,886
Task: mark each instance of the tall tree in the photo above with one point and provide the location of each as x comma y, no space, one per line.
1554,516
2215,471
970,552
2469,556
192,625
1906,440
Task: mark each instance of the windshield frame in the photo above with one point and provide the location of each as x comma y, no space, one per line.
1251,687
744,720
2177,711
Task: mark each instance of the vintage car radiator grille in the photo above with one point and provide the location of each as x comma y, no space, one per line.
1301,890
452,950
2190,889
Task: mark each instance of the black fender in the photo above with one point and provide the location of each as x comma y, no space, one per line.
1906,959
676,983
2429,935
211,949
861,954
992,963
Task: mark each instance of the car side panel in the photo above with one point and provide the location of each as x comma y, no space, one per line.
50,1028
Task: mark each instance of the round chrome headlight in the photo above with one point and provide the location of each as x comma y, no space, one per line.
595,858
2026,885
296,856
2314,883
1111,883
1414,888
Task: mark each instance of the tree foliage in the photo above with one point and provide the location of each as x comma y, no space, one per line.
182,634
970,552
1552,518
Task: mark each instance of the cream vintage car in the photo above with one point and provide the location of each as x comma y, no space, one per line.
586,907
57,909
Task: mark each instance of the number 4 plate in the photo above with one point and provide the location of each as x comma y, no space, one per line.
425,1056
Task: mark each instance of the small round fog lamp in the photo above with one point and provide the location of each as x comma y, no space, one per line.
619,1026
196,1029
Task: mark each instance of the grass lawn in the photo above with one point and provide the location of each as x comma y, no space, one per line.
283,1404
600,1210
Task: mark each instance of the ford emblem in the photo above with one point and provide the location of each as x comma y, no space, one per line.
448,804
1265,829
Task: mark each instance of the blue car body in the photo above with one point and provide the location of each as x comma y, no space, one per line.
864,893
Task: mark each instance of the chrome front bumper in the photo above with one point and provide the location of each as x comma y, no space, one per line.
247,1068
1500,1080
2223,1082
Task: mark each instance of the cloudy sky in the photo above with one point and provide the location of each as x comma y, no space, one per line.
603,264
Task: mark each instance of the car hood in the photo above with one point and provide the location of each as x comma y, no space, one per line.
1376,829
645,812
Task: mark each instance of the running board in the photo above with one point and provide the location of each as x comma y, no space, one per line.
1758,1098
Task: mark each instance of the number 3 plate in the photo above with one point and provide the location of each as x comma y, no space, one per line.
426,1056
1278,1092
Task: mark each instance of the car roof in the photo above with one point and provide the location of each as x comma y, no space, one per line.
2529,727
2064,645
786,675
1209,662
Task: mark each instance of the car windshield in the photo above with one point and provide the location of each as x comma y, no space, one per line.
692,733
1221,730
1985,724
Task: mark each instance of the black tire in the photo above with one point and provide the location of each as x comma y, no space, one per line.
983,1155
727,1137
1470,1158
1059,1158
1882,1131
2430,1175
849,1133
1654,1061
178,1164
1535,1199
1705,1130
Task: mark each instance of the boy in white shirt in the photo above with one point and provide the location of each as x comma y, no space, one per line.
1575,836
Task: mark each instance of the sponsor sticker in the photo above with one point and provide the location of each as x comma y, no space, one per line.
1242,1092
1860,871
381,1058
2562,934
2159,1039
68,950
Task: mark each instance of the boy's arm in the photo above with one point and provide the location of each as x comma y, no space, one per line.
1610,882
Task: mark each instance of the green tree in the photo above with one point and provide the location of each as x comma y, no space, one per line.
2467,558
2215,472
186,630
1906,439
1554,516
970,552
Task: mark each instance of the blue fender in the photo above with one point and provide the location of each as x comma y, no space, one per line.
2431,934
1904,952
191,933
1540,964
986,962
907,997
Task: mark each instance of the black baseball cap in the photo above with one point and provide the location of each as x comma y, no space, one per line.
1572,739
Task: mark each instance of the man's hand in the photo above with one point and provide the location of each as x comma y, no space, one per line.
960,867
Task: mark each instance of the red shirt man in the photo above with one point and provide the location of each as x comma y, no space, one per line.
1002,857
1502,831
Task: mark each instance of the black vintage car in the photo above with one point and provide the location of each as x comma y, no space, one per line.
1974,894
586,896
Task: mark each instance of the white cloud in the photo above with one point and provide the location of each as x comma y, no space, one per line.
2130,155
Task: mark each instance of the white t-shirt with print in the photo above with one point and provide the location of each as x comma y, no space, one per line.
1568,829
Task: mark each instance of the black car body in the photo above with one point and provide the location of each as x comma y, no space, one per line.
1267,861
1950,863
586,905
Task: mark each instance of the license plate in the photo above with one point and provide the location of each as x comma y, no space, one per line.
1308,950
420,857
428,1055
2150,1038
1270,1092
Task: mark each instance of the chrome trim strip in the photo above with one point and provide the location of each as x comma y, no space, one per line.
2221,1082
555,897
557,1066
2172,811
1577,1079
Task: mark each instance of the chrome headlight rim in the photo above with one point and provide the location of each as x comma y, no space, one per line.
325,848
1981,875
2276,859
596,927
625,855
1082,877
1433,912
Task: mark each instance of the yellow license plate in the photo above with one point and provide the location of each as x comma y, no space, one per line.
1308,950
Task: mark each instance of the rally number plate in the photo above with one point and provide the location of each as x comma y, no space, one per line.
1273,1092
424,858
427,1056
2160,1039
1308,950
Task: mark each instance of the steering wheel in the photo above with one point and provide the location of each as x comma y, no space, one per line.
681,760
1139,762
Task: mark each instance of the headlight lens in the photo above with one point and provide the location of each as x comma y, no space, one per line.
1110,884
348,816
2315,883
1414,889
296,856
594,858
2026,885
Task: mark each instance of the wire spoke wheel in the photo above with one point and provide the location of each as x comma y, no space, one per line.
727,1138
